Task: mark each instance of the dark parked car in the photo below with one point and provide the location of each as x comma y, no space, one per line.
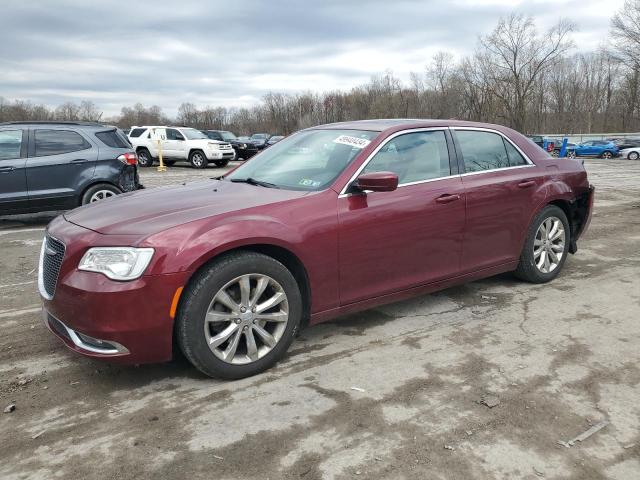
61,165
260,140
244,149
274,139
626,142
331,220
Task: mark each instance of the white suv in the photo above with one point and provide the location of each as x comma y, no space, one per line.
179,143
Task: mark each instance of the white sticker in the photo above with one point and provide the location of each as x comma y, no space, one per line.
352,141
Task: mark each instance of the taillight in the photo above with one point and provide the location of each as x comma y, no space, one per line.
550,146
129,159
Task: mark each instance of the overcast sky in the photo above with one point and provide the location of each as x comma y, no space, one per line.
230,53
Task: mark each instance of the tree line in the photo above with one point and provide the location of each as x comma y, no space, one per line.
519,75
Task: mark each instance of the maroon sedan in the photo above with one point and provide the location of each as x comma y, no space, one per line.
330,220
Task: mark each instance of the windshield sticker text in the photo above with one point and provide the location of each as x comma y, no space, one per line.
352,141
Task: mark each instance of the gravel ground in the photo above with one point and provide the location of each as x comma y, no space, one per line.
394,393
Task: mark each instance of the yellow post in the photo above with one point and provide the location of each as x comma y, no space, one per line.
162,167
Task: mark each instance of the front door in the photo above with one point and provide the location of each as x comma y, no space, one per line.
13,179
391,241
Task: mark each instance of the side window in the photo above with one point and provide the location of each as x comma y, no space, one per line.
57,142
414,157
515,157
482,150
136,132
10,144
173,134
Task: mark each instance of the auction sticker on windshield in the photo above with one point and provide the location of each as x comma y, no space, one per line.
352,141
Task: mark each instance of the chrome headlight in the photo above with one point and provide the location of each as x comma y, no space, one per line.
117,263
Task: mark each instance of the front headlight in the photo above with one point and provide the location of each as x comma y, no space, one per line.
117,263
243,145
212,145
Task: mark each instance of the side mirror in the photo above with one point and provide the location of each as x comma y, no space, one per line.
377,181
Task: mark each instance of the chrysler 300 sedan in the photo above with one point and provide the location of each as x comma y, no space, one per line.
331,220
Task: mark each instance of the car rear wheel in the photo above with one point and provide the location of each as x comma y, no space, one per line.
197,159
221,163
607,155
144,158
239,315
546,247
571,153
99,192
633,156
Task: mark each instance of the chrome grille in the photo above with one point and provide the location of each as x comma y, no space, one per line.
50,262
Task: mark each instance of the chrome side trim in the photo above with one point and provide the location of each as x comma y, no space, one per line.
413,130
491,130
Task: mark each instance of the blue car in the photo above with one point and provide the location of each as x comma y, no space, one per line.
597,148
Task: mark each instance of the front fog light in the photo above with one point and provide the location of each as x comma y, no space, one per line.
117,263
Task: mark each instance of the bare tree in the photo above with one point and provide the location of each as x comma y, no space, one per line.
515,55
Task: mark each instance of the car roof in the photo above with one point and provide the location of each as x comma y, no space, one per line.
379,125
83,125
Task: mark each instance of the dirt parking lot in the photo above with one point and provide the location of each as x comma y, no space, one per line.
393,393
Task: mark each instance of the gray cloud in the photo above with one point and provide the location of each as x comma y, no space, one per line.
222,53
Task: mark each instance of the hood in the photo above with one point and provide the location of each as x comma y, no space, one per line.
146,212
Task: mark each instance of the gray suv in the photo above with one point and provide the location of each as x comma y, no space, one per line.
61,165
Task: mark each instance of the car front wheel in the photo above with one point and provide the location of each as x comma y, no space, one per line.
546,246
607,155
633,156
239,315
197,159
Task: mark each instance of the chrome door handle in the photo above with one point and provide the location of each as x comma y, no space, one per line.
446,198
526,184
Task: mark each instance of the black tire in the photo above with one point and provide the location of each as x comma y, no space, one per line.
555,153
606,155
196,299
96,189
144,158
198,159
633,156
221,163
527,269
571,153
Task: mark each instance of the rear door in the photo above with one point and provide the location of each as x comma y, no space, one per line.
13,179
60,163
502,190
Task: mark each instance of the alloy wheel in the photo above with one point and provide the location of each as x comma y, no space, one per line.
197,159
633,156
101,195
246,319
549,244
607,155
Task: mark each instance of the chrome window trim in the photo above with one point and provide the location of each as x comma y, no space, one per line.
491,130
343,191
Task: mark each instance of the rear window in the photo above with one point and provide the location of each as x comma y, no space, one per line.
57,142
10,144
136,132
112,139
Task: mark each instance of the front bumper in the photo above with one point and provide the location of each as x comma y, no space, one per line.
221,154
124,322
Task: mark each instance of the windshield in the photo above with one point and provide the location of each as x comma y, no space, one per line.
309,160
193,134
227,135
258,136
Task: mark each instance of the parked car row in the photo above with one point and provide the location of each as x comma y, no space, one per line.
61,165
198,147
627,147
